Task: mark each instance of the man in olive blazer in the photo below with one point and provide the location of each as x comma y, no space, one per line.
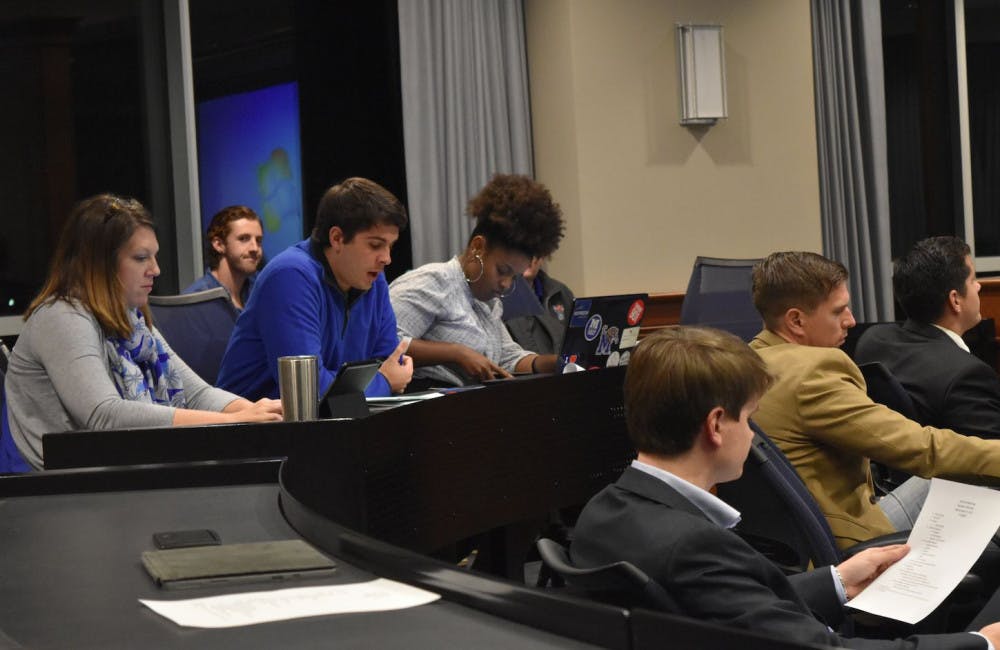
820,415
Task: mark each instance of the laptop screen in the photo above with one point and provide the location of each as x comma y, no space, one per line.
602,330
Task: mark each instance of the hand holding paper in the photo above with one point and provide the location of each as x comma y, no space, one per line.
861,570
954,526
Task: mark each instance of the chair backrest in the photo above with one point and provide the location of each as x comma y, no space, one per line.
619,583
982,341
719,295
776,505
4,360
197,326
884,388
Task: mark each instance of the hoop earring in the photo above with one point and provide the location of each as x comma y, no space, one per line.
482,270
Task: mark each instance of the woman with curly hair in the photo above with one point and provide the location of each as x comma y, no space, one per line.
89,356
452,310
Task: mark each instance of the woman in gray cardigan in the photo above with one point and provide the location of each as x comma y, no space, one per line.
89,357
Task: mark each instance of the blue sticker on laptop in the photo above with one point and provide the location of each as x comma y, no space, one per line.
593,327
581,309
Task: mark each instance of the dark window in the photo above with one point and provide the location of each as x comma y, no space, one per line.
72,122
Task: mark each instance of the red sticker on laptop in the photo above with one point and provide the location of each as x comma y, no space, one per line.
635,312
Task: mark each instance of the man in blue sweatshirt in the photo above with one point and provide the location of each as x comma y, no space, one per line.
327,296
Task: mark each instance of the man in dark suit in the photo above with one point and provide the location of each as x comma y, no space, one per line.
689,393
936,285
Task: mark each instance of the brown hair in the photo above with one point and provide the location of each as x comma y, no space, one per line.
220,227
84,266
353,205
785,280
677,375
517,213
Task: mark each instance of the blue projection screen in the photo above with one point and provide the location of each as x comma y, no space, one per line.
249,153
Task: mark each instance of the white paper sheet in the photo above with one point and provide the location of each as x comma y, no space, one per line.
407,397
954,526
282,604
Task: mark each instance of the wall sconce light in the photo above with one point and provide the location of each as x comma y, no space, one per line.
702,68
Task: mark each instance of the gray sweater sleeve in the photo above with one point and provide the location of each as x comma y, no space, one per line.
59,380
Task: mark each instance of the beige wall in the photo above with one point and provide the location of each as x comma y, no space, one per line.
643,195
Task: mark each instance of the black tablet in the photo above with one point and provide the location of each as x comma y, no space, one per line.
345,398
353,377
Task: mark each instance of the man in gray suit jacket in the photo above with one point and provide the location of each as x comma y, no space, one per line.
689,394
935,282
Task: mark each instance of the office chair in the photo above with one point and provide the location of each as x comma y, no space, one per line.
775,504
11,461
884,388
719,295
982,341
619,583
850,344
4,360
197,326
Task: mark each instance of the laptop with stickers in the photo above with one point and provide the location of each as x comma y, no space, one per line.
600,333
602,330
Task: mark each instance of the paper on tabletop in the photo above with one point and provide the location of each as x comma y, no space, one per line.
254,607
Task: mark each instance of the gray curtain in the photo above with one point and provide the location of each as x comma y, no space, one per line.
851,141
465,111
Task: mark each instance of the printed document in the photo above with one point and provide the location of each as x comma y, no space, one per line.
254,607
954,526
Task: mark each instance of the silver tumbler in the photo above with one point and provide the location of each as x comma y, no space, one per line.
297,382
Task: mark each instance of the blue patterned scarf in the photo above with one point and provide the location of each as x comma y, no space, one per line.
141,368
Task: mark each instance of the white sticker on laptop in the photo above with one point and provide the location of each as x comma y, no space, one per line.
630,336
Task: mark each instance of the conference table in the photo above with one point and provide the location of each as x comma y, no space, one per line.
387,496
72,578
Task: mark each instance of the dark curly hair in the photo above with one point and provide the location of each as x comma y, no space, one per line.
517,213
